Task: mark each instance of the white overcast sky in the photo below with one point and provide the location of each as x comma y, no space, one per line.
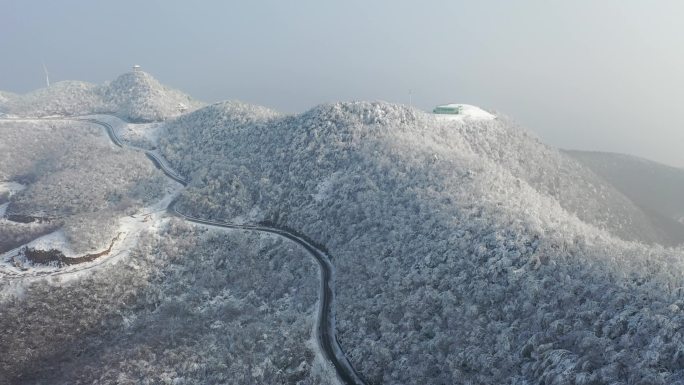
585,74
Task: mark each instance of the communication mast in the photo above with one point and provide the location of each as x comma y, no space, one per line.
47,77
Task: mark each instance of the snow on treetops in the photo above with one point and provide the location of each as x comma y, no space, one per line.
435,225
362,113
136,96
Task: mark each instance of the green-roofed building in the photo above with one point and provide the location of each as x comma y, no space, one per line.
452,109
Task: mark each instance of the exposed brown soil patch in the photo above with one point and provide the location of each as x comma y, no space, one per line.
46,257
28,218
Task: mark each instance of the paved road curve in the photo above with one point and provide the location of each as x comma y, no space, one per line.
325,330
326,318
327,339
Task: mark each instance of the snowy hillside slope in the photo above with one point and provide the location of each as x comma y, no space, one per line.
135,96
141,98
656,187
190,306
460,248
576,187
73,172
61,98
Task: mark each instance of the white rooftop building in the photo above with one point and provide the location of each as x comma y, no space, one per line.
454,111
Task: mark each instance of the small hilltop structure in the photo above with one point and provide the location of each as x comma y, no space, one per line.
450,109
457,111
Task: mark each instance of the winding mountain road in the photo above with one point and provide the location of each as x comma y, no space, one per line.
325,330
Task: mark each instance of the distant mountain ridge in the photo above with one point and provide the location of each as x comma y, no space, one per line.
657,188
135,96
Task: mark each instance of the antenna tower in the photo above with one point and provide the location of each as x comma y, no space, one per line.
47,77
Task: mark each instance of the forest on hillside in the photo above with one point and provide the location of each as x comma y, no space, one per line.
188,306
74,175
465,252
134,96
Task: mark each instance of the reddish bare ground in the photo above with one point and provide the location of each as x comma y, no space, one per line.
45,257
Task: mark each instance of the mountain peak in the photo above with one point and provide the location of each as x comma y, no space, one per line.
137,77
364,113
136,96
141,97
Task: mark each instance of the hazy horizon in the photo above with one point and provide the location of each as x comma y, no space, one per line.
582,75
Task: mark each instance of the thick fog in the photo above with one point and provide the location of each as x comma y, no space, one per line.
582,74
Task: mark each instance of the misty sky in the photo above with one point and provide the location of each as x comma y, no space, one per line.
604,75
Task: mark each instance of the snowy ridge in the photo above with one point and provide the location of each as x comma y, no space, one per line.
135,96
141,98
61,98
518,152
552,173
468,235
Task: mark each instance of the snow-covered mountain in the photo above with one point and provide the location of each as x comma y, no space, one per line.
466,251
551,173
140,97
135,96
